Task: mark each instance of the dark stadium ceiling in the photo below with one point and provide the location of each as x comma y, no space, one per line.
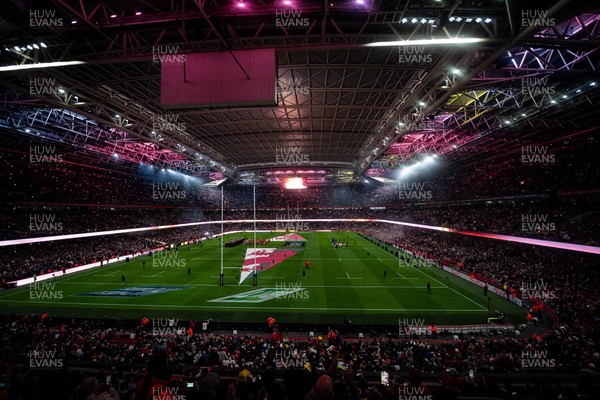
349,108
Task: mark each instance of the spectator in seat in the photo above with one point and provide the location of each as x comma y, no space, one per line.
156,379
323,389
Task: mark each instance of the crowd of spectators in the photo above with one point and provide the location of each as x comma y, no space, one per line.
260,360
568,278
23,261
573,170
544,219
507,198
62,198
534,219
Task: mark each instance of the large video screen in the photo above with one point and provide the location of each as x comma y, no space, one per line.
295,183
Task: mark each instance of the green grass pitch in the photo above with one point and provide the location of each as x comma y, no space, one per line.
341,283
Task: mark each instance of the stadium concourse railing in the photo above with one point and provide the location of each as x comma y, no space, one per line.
479,328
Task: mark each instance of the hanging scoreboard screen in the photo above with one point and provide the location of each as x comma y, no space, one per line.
241,78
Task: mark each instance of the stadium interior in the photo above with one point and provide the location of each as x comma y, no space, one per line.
299,199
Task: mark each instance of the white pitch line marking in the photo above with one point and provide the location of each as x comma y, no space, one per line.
402,277
154,276
348,276
111,274
455,291
226,277
79,274
12,293
242,308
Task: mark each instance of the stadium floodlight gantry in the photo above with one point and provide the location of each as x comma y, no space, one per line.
362,88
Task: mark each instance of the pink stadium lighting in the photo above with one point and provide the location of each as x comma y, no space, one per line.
138,13
241,4
288,2
538,242
113,15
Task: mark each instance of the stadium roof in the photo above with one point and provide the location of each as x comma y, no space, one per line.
360,102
